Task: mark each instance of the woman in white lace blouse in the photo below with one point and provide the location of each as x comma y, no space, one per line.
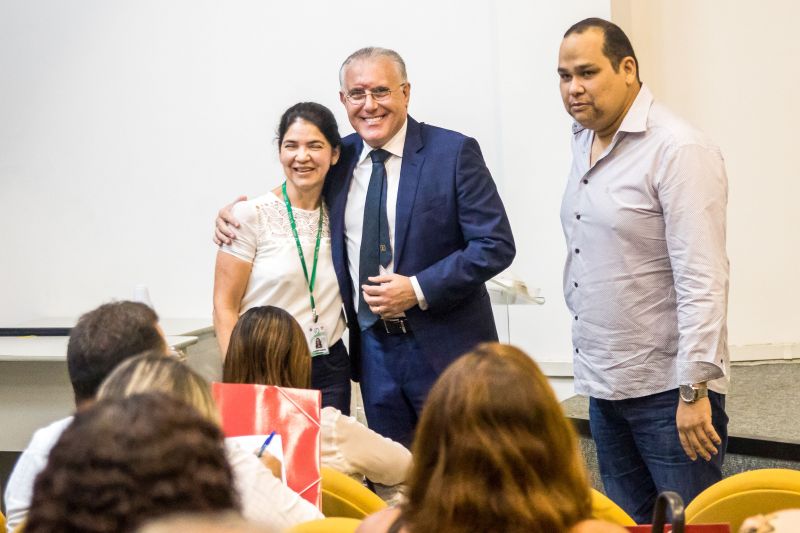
282,253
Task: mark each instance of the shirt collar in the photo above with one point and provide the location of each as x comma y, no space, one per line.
636,118
394,146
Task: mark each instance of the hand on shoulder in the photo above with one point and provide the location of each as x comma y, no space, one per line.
225,222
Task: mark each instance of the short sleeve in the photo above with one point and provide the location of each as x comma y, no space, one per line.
246,242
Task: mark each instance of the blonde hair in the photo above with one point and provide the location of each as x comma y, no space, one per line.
155,372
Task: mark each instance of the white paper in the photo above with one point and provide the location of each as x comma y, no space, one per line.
254,442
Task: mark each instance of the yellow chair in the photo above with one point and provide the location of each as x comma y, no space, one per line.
327,525
342,496
2,521
603,508
755,492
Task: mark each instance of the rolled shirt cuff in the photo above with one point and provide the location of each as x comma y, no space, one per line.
698,372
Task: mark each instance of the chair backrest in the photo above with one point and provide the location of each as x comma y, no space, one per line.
2,521
603,508
343,496
742,495
335,524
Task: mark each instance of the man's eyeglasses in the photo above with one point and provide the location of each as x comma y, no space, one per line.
379,94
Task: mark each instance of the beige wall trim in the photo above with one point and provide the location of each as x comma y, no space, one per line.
763,352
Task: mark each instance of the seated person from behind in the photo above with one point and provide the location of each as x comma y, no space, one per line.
264,498
268,347
493,452
125,461
100,340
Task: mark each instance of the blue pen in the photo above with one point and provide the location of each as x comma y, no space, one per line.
266,443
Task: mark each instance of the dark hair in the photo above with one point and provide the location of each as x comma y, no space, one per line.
616,45
494,452
124,461
316,114
268,347
103,338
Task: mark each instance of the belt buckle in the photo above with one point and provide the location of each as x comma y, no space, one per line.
394,321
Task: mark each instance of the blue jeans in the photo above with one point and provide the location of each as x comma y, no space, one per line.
331,374
640,455
395,380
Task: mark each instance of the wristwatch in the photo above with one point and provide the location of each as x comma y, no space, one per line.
692,393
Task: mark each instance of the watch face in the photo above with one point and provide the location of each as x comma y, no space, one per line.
688,394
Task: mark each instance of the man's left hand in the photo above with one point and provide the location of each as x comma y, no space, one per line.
391,296
697,434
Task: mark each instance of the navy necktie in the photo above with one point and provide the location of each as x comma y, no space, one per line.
375,245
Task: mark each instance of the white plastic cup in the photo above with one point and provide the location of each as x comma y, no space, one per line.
142,294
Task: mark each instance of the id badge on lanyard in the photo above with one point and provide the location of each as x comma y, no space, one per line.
318,340
317,337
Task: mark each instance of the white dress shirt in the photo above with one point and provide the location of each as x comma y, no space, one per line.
19,490
646,277
356,200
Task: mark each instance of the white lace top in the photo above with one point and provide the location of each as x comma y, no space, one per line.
265,239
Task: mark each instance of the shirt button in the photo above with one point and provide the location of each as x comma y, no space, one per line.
576,317
585,182
577,250
578,217
577,350
575,283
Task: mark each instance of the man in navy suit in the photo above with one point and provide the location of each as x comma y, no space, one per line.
418,301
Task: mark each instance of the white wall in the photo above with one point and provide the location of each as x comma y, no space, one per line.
125,125
534,158
729,67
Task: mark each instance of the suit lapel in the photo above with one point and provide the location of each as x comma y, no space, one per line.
409,180
337,200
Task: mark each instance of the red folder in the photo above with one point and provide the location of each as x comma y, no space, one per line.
293,413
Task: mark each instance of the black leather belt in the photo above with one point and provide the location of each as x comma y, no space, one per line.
396,326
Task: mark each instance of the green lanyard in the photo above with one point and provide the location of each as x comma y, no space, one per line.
300,250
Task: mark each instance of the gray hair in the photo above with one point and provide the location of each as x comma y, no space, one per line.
372,52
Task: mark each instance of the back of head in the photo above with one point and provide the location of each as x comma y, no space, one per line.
268,347
127,460
493,451
616,45
103,338
155,372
